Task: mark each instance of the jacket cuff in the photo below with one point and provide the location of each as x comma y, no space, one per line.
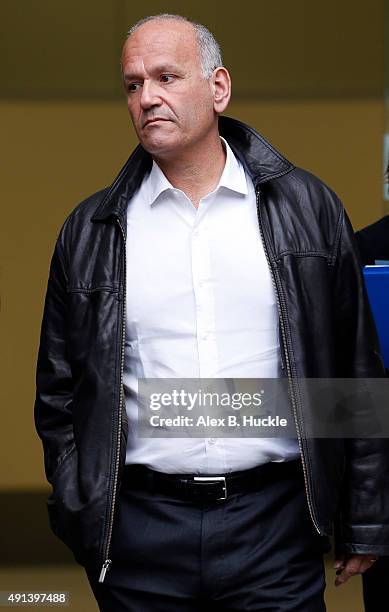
363,540
380,550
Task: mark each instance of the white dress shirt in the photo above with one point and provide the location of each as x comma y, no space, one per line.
200,304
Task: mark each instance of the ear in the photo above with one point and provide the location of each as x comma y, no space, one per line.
221,87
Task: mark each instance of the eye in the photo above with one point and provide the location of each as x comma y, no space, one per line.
132,87
166,78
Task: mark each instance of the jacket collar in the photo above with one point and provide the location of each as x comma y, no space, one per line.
259,158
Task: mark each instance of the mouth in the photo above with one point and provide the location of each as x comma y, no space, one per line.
154,120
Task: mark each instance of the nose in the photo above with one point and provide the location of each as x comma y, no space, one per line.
149,95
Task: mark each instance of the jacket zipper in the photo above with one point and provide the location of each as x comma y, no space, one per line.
281,310
107,563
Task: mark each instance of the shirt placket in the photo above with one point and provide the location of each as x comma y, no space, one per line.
204,301
205,320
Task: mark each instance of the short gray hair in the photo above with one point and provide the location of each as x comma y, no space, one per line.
209,49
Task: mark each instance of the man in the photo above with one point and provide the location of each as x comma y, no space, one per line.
373,245
210,256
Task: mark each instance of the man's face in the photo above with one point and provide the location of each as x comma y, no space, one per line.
170,102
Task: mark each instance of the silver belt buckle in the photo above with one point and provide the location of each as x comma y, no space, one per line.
214,478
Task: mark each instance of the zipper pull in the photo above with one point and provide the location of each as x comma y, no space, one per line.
104,569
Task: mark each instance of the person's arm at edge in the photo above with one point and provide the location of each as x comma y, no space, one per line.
54,390
359,535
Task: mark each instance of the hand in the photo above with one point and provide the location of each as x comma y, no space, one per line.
356,564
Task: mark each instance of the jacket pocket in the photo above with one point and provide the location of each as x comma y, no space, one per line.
62,503
61,463
76,509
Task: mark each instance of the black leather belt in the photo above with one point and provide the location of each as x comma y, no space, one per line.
204,488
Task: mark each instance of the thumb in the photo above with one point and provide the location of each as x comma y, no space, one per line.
338,564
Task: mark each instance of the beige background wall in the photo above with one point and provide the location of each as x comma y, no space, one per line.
312,87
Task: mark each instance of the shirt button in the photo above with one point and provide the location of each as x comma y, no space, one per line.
212,441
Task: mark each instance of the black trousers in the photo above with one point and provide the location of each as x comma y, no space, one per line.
253,551
375,590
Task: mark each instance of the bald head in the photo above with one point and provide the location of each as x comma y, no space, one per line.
207,46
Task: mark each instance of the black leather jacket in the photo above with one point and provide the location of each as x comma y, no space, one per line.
326,331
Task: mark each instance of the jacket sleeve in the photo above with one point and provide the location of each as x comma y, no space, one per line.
54,389
363,525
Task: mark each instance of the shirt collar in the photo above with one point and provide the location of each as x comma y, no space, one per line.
233,177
